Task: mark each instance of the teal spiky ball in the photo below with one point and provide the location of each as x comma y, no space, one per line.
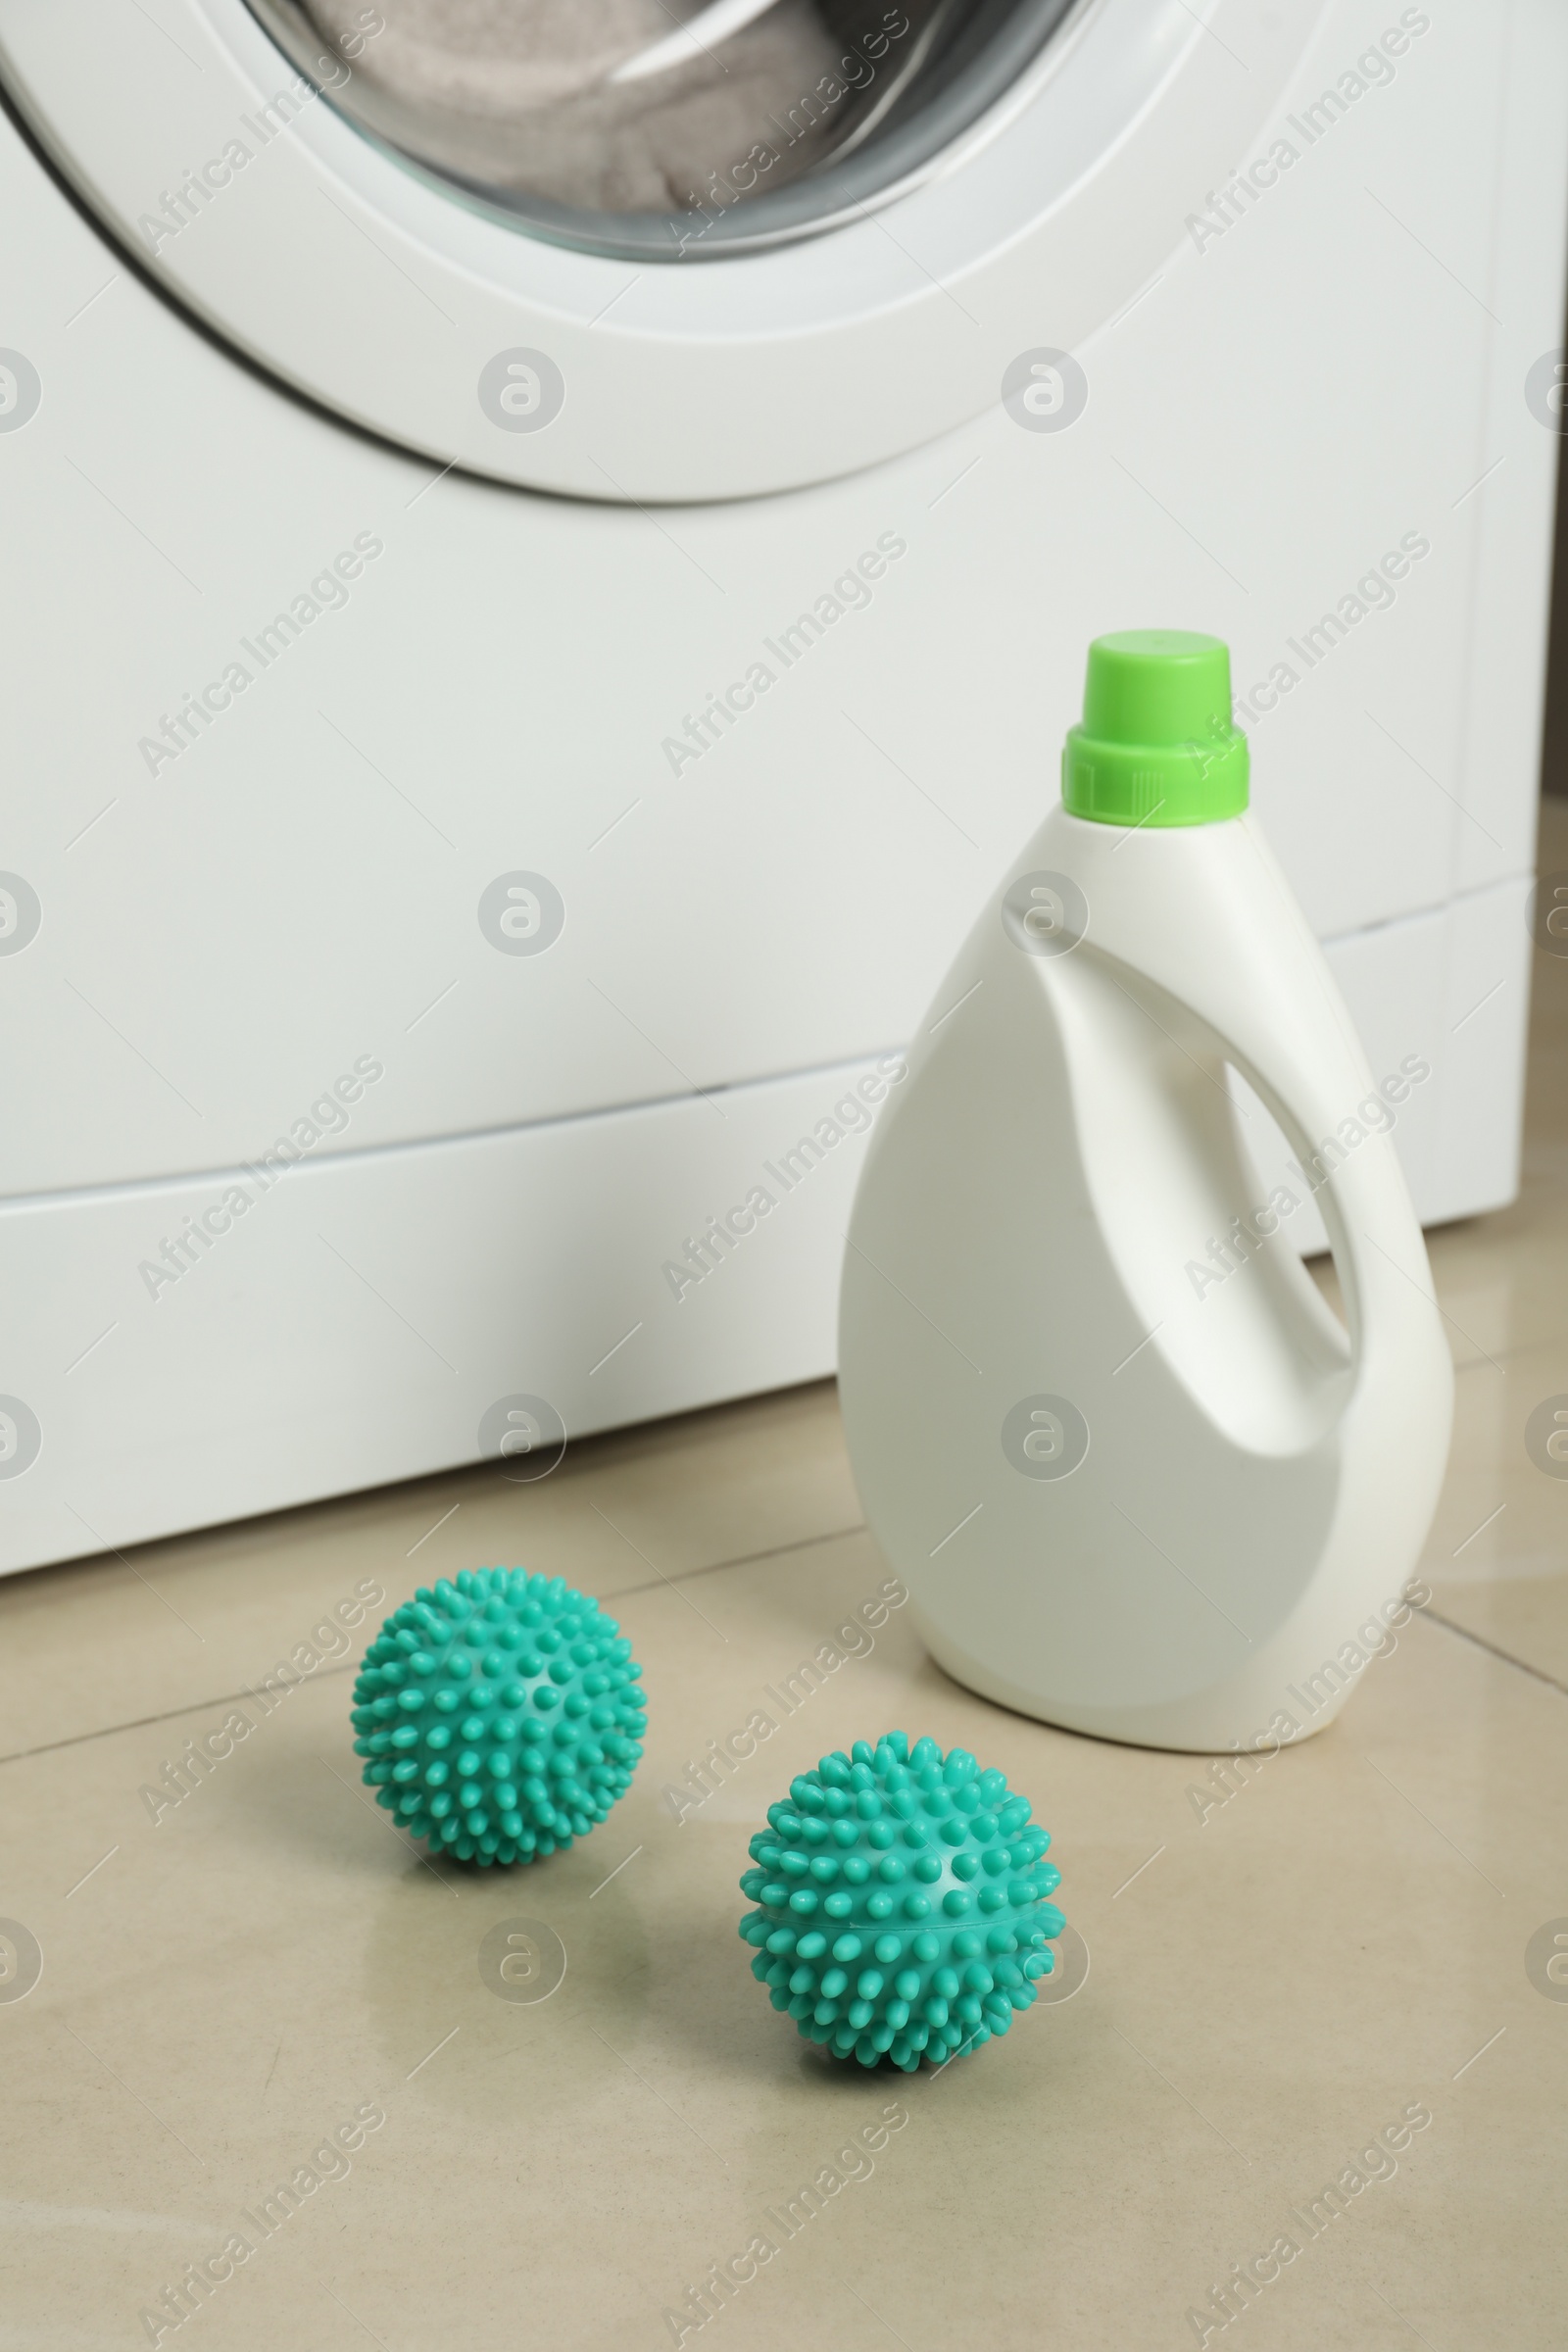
902,1901
499,1715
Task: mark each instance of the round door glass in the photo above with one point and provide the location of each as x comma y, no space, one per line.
659,128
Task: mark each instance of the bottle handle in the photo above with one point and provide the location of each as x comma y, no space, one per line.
1359,1187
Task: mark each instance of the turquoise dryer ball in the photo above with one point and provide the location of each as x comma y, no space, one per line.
499,1716
902,1903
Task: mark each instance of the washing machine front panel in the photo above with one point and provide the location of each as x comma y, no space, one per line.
446,326
317,925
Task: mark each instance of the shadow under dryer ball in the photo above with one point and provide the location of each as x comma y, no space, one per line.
1129,1493
499,1716
902,1907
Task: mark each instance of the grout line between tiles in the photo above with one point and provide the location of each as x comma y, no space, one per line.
1507,1657
139,1723
747,1559
197,1706
1505,1357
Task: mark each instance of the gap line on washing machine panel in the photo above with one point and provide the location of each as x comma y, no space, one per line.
127,1186
701,1092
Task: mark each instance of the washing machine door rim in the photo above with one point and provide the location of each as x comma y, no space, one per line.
428,319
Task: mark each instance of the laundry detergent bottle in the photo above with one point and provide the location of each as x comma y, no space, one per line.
1139,1479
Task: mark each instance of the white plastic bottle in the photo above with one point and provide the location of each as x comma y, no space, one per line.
1126,1499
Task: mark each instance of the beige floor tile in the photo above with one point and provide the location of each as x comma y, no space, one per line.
1268,1987
1502,1280
205,1615
1498,1557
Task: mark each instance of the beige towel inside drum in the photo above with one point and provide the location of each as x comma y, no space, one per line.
517,93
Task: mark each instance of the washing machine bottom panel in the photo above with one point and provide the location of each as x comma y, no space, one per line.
383,1314
378,1315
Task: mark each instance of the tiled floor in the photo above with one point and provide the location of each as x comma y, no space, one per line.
1357,1936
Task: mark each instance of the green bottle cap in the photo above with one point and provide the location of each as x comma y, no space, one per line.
1158,746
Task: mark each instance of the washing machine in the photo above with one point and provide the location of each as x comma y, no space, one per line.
549,554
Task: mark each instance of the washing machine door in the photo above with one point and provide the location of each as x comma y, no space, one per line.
642,252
